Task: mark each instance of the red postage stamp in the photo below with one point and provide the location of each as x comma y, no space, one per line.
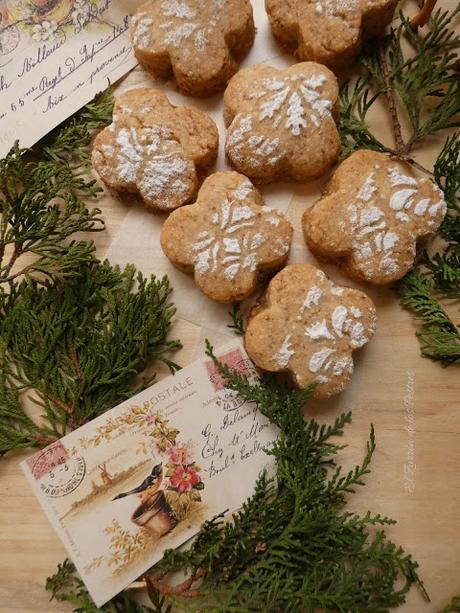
235,360
43,462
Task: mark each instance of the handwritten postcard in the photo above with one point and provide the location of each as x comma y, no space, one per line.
144,476
55,55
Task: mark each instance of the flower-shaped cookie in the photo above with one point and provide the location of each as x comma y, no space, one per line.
281,122
199,42
328,31
309,327
227,237
371,216
154,149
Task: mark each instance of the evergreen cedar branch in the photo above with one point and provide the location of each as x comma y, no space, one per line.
425,83
236,317
74,332
440,273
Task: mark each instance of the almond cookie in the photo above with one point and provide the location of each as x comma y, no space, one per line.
227,238
371,216
154,149
328,31
198,42
309,327
281,123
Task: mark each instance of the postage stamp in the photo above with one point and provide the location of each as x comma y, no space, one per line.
58,473
236,361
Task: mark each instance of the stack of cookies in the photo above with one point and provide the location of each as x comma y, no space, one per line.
281,125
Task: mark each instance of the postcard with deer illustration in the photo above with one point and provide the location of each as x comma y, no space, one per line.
144,476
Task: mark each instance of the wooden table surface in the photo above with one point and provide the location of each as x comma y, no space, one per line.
412,402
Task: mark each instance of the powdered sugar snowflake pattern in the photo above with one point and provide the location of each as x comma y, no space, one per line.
148,161
227,236
178,23
315,326
389,211
327,31
280,110
336,8
154,149
198,43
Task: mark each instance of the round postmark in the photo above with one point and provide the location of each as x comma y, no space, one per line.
229,400
58,473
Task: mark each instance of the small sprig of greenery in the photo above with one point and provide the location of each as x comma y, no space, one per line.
236,316
293,546
68,143
75,333
444,266
438,276
42,192
423,81
439,337
453,606
66,586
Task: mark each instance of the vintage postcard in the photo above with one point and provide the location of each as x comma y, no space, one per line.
55,55
144,476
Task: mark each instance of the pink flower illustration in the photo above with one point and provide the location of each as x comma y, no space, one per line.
184,478
178,455
150,420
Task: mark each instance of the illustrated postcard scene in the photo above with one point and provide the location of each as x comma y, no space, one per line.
55,56
144,476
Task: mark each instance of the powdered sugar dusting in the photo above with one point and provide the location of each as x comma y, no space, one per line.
184,23
367,189
338,318
162,178
421,206
397,178
130,156
402,199
177,35
175,8
327,335
141,24
343,365
335,8
293,102
231,244
336,291
312,298
150,160
319,331
385,202
401,216
318,359
285,352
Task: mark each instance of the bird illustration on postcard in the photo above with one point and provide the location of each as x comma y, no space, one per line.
144,476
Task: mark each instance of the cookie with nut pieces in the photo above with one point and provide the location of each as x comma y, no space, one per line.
199,43
309,327
154,149
328,31
371,216
228,239
281,123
